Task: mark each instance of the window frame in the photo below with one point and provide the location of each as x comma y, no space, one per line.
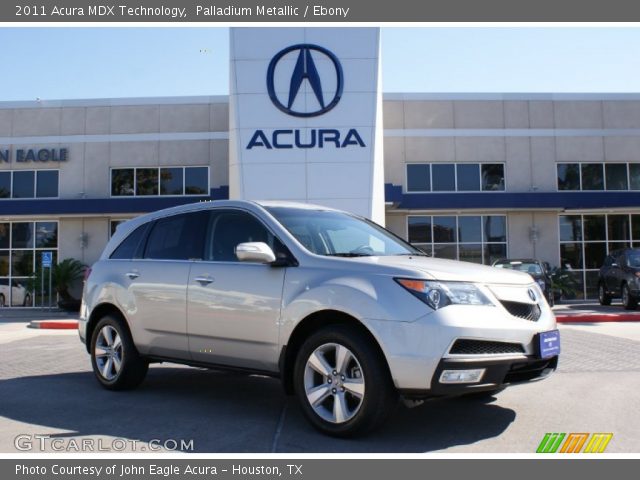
455,173
627,164
431,245
35,184
159,169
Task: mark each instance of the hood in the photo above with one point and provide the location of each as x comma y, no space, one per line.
451,270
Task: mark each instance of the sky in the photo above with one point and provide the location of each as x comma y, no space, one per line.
63,63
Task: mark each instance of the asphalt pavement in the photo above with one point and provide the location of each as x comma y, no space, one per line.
47,388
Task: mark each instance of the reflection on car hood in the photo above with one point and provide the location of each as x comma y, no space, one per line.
451,270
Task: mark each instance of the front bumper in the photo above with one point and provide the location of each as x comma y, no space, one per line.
499,373
418,351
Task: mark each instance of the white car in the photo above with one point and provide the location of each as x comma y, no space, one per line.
17,293
346,314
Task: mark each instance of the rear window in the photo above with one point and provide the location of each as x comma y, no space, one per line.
130,246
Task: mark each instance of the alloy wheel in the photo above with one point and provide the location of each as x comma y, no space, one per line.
108,352
334,383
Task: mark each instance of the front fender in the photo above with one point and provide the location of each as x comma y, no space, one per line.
377,298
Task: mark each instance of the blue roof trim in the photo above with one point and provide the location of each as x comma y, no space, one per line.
88,206
511,200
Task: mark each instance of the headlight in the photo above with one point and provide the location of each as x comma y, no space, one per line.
440,294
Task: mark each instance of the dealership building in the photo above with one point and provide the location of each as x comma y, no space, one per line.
474,177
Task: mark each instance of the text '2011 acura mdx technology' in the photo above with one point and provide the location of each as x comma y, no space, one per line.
346,314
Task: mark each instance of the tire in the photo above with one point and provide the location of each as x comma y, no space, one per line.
603,297
2,301
629,302
550,300
27,301
133,368
339,410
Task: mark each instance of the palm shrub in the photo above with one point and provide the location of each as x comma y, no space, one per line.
63,276
564,283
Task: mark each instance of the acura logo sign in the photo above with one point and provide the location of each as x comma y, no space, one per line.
305,70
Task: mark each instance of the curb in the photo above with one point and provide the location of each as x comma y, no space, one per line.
599,317
54,324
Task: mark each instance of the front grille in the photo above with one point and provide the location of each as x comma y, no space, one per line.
526,311
523,372
484,347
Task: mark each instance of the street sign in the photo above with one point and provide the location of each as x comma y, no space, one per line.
47,259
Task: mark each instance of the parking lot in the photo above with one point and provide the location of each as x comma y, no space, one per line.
47,388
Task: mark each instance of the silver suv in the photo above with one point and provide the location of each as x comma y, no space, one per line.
346,314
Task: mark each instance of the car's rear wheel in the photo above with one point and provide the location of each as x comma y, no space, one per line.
115,360
629,302
2,300
342,382
603,297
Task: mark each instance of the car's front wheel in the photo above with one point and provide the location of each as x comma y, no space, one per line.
629,302
603,297
115,360
342,382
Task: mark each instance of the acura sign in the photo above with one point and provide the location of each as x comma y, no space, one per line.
305,117
305,74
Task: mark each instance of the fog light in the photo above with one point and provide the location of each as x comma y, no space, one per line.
462,376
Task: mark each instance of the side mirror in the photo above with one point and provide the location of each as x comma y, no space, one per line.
614,264
258,252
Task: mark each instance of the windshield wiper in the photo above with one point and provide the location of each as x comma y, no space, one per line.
348,254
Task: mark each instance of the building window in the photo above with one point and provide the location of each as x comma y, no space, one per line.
585,241
598,176
154,181
21,247
470,238
113,224
451,177
29,184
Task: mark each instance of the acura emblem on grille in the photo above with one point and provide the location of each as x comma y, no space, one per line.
532,294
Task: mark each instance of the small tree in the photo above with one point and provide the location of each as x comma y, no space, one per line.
63,276
563,282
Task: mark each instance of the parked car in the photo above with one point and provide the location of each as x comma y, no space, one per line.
619,277
540,271
18,294
345,313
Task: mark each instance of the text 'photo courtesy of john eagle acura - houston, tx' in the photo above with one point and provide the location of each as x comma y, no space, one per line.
349,316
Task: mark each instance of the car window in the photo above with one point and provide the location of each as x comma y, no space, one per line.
130,247
327,232
230,228
179,237
634,259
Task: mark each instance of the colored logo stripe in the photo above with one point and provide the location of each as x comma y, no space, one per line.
550,443
598,442
574,442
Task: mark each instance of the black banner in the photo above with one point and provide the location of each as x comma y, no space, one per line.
347,11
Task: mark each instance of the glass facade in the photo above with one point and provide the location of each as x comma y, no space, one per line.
455,177
470,238
21,247
29,184
598,176
585,241
154,181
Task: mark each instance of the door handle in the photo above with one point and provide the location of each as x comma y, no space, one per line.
204,279
132,275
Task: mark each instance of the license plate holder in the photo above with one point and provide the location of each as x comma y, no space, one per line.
548,344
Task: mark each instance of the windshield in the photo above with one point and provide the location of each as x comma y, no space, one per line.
527,267
326,232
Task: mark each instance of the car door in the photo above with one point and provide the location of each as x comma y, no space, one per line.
608,273
158,284
233,307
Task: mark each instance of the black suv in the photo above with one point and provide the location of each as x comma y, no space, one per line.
537,269
620,277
